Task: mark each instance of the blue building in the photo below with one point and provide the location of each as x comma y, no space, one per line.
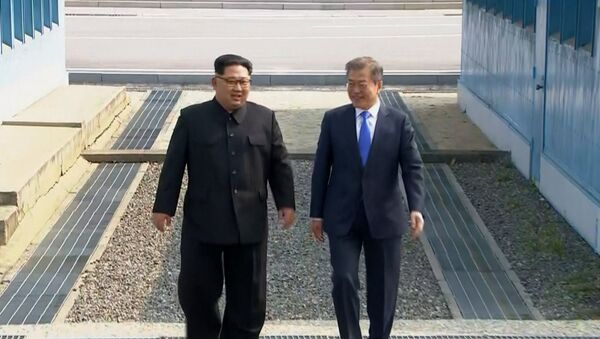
32,52
530,79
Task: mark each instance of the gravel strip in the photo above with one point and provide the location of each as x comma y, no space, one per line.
556,266
135,279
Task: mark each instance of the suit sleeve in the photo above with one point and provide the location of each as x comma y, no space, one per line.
321,170
169,184
412,168
281,177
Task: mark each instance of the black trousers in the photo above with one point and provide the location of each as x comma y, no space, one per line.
382,261
203,268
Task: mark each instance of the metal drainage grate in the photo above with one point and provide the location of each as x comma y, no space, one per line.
393,98
477,280
146,124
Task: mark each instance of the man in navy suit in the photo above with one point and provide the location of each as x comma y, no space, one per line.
366,153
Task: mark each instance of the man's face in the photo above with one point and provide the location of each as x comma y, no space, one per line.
232,87
362,89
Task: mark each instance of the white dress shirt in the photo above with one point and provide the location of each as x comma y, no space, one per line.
371,120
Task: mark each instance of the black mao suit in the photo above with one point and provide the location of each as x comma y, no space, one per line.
230,157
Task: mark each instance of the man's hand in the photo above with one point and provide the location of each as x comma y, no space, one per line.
287,216
416,224
316,228
161,221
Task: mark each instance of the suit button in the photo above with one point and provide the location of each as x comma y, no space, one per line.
232,152
234,172
235,191
231,135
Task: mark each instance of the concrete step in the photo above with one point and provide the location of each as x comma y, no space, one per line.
8,222
272,4
43,141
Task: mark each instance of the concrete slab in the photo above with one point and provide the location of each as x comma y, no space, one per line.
33,158
90,108
8,222
445,124
42,142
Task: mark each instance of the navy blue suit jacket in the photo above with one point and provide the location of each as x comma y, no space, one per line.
339,180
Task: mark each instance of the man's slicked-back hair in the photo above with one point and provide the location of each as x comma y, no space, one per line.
231,59
360,63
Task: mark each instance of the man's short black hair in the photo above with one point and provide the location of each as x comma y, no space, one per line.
231,59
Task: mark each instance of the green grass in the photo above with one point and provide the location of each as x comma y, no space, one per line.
544,238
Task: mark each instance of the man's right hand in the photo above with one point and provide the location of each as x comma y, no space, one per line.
161,221
316,228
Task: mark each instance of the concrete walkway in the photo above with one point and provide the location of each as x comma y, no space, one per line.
417,329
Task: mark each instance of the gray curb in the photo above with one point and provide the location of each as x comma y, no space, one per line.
270,5
100,77
434,156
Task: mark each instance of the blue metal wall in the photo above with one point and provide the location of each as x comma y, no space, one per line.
572,128
498,59
18,18
498,56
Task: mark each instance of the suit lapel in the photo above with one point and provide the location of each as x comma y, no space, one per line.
350,135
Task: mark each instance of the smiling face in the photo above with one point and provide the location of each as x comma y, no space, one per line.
232,87
362,88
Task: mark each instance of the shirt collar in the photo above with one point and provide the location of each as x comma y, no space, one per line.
238,115
374,110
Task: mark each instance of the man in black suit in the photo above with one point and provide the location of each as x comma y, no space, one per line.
357,198
231,149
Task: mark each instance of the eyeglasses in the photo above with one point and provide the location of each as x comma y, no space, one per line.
232,82
360,85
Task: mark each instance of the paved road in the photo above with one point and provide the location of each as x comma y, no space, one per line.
190,39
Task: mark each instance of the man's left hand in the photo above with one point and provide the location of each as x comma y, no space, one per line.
416,224
287,216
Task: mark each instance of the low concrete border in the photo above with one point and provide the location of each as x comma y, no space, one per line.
434,156
270,5
122,77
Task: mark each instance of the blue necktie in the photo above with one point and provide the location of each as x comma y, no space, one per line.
364,138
